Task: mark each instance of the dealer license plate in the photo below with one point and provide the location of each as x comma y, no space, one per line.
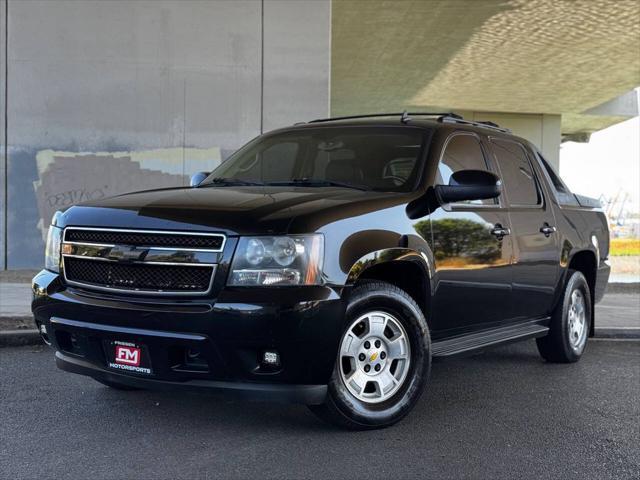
129,357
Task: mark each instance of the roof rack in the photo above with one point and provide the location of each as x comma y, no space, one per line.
459,119
404,116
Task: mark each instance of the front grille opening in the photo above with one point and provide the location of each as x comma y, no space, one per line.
145,239
138,277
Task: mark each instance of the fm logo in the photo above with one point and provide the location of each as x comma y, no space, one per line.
128,355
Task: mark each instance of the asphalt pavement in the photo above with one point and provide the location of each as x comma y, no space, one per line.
503,413
619,310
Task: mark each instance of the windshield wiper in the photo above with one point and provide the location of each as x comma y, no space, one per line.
313,182
224,182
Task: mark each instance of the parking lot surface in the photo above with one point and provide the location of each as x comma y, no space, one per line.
503,413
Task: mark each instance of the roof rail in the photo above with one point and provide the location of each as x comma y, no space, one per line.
459,119
404,116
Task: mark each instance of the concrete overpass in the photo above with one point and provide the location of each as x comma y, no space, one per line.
544,68
101,98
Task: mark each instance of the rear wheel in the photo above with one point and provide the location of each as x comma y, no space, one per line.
383,360
570,323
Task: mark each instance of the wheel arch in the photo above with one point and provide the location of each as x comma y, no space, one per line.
585,262
405,268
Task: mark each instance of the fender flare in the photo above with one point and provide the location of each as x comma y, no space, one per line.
422,259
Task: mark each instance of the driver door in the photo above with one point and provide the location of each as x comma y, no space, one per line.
473,264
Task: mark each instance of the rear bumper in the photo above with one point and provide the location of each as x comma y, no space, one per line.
229,334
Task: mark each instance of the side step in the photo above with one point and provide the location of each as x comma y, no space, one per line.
486,338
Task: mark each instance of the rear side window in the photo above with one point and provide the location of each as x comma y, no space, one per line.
462,152
517,173
564,195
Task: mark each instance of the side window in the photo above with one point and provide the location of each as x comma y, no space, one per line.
463,152
565,197
517,172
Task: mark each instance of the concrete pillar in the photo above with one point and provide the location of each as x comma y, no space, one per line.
3,140
551,138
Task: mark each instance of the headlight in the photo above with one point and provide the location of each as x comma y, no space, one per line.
284,260
52,249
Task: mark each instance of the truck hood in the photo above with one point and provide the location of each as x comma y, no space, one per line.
232,210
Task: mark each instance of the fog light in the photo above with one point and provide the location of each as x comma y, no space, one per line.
43,334
271,358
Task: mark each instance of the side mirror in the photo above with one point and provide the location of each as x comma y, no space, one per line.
469,185
197,178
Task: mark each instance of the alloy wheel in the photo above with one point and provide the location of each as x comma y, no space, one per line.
375,356
577,320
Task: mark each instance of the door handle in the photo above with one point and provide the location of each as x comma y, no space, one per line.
499,231
547,229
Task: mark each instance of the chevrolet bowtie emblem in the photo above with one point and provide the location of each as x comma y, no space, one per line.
373,357
126,254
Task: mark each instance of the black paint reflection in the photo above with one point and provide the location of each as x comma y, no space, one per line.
458,242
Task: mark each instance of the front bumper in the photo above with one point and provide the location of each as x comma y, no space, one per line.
307,394
228,333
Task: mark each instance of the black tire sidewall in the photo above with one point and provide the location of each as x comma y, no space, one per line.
387,298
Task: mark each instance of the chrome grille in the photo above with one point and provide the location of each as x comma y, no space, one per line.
173,240
140,277
141,261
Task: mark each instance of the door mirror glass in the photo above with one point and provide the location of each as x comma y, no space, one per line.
197,178
467,185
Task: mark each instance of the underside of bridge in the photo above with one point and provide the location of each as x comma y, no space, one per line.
569,65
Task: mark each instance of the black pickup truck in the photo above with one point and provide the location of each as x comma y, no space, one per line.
328,263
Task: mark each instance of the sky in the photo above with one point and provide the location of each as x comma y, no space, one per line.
609,163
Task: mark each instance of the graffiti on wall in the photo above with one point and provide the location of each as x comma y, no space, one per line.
67,178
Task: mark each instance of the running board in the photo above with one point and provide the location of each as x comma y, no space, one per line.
486,338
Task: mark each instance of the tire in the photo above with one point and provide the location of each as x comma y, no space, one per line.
381,402
570,323
116,386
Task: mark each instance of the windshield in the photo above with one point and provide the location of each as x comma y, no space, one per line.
370,158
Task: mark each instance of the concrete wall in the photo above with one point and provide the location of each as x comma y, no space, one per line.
109,97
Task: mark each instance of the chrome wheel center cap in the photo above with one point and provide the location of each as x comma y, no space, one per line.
372,360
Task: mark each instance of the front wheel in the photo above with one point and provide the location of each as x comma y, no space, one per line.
570,323
383,361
